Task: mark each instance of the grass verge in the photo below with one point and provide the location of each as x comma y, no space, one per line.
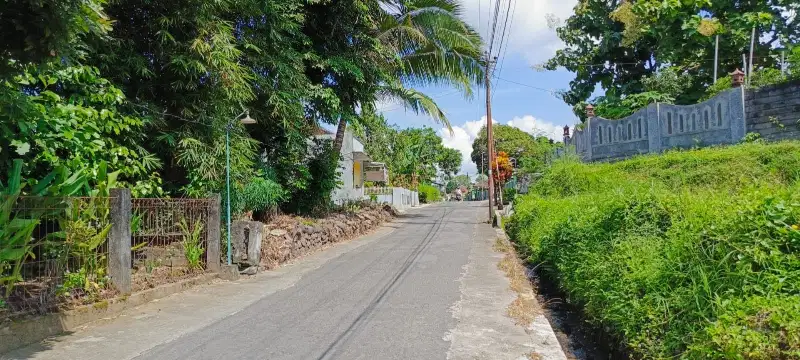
688,254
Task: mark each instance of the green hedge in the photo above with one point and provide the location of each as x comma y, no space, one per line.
429,194
692,254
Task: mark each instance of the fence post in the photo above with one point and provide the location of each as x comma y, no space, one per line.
213,235
119,242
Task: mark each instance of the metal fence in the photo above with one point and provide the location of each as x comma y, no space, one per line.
168,239
53,251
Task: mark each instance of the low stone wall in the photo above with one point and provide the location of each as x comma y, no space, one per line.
288,238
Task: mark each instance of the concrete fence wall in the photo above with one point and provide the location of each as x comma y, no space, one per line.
774,111
659,127
400,198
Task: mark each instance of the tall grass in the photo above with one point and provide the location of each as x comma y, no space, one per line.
690,254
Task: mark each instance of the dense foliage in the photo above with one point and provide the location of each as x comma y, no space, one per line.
618,44
530,151
153,88
688,254
71,117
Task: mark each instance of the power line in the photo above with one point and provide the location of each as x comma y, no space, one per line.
168,114
526,85
503,37
511,29
494,26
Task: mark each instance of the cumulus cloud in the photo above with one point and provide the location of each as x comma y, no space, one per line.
537,127
464,135
530,35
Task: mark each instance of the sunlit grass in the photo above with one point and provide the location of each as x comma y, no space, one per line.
677,253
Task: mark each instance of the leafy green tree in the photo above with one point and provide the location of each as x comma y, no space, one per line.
71,117
617,44
411,155
449,161
38,32
523,147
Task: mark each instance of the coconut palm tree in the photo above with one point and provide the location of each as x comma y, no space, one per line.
426,43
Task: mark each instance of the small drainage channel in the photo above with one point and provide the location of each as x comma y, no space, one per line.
578,339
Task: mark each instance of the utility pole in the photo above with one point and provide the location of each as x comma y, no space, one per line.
489,137
716,59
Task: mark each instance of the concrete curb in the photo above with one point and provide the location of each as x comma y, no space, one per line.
543,339
16,334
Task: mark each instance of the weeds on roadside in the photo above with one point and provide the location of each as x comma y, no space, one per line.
192,244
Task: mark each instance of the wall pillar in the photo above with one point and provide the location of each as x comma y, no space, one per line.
653,128
736,114
119,240
213,235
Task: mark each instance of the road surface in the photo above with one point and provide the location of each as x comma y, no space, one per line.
398,294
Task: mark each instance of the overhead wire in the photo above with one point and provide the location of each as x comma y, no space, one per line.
507,38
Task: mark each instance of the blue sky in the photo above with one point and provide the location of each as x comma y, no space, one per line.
517,102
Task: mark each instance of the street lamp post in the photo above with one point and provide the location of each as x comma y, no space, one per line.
247,120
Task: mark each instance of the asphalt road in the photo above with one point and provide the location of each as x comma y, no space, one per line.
388,299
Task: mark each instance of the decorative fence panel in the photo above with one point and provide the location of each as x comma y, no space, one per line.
169,239
659,127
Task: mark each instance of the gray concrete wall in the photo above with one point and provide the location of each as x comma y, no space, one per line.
774,111
659,127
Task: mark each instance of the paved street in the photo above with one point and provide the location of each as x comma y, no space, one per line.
396,294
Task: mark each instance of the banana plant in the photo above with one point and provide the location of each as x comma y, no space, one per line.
16,227
16,234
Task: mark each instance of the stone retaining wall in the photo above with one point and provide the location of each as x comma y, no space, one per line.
288,238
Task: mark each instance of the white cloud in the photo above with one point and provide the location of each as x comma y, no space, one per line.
537,127
462,139
464,135
530,35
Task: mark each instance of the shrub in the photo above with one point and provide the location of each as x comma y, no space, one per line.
688,254
429,194
262,194
509,194
323,167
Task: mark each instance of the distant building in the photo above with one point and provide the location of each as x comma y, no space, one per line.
355,165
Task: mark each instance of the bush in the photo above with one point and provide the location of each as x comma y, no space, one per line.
689,254
508,195
429,194
315,197
262,194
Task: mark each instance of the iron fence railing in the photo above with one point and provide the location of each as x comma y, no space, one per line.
168,238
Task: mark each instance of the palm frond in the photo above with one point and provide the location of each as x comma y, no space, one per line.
417,101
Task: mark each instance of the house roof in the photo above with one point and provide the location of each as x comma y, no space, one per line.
319,130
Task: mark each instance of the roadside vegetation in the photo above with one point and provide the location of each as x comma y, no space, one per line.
151,88
687,254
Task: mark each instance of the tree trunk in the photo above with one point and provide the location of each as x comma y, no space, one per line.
337,142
